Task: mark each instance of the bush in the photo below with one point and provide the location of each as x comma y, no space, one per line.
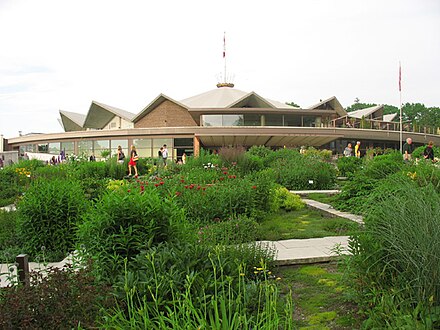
348,166
231,155
61,299
250,163
235,230
122,224
383,165
284,199
48,216
9,240
397,254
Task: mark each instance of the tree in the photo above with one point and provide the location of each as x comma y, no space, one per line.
293,104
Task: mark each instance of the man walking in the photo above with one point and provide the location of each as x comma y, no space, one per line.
164,155
407,150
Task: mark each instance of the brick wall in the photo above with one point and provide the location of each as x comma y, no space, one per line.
167,114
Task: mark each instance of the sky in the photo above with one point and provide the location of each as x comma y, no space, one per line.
63,54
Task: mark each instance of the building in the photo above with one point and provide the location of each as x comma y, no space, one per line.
219,117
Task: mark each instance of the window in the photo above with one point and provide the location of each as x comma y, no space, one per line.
211,120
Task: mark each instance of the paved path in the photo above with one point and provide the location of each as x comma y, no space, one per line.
332,212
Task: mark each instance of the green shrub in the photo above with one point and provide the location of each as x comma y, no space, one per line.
418,152
123,223
302,173
284,199
260,151
57,299
61,171
383,165
97,170
9,239
48,215
397,254
250,163
231,155
348,166
236,230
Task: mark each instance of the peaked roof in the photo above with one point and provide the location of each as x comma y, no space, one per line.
389,117
365,112
72,121
331,102
154,104
227,97
100,114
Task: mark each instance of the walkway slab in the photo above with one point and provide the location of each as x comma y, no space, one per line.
311,250
332,212
307,192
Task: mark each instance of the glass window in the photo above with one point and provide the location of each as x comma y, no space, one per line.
183,142
252,120
157,143
54,148
68,147
100,146
85,148
274,120
232,120
309,121
43,148
143,147
211,120
292,120
116,143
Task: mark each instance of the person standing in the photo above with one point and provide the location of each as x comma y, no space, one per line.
357,151
428,153
164,154
133,161
348,151
184,158
120,155
407,150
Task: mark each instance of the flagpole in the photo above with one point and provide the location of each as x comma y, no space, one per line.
224,54
400,106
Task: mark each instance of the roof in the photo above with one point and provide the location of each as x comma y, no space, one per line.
154,104
389,117
226,97
331,102
100,114
72,121
365,112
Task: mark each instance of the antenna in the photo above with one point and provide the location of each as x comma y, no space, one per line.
225,82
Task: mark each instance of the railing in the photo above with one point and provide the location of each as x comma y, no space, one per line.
346,122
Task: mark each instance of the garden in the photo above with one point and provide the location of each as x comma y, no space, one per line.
176,248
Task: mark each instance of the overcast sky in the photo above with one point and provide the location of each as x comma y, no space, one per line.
59,54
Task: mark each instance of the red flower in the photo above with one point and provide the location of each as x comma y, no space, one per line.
142,188
198,187
204,188
222,178
156,185
128,190
225,172
254,187
161,183
182,181
178,193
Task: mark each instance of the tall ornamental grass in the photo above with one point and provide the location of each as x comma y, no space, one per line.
397,257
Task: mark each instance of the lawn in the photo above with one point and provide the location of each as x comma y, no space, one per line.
304,223
322,301
323,198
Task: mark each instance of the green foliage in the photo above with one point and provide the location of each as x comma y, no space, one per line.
396,256
9,240
48,217
162,275
286,200
260,151
205,157
313,153
97,170
347,166
418,152
236,230
250,163
299,173
383,165
57,299
122,224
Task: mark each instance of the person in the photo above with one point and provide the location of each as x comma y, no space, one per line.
407,150
348,150
132,163
120,155
53,161
428,153
357,151
164,154
184,158
92,158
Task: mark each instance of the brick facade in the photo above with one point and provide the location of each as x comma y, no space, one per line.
167,114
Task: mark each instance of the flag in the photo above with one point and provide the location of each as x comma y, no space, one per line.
400,78
224,45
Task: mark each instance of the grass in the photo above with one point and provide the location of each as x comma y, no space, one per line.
304,223
321,300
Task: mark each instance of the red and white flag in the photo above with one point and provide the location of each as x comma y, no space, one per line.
224,44
400,78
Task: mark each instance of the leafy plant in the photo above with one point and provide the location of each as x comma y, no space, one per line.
48,215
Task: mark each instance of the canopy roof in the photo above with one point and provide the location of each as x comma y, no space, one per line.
101,114
72,121
367,112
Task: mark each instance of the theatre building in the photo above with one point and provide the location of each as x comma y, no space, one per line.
224,116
